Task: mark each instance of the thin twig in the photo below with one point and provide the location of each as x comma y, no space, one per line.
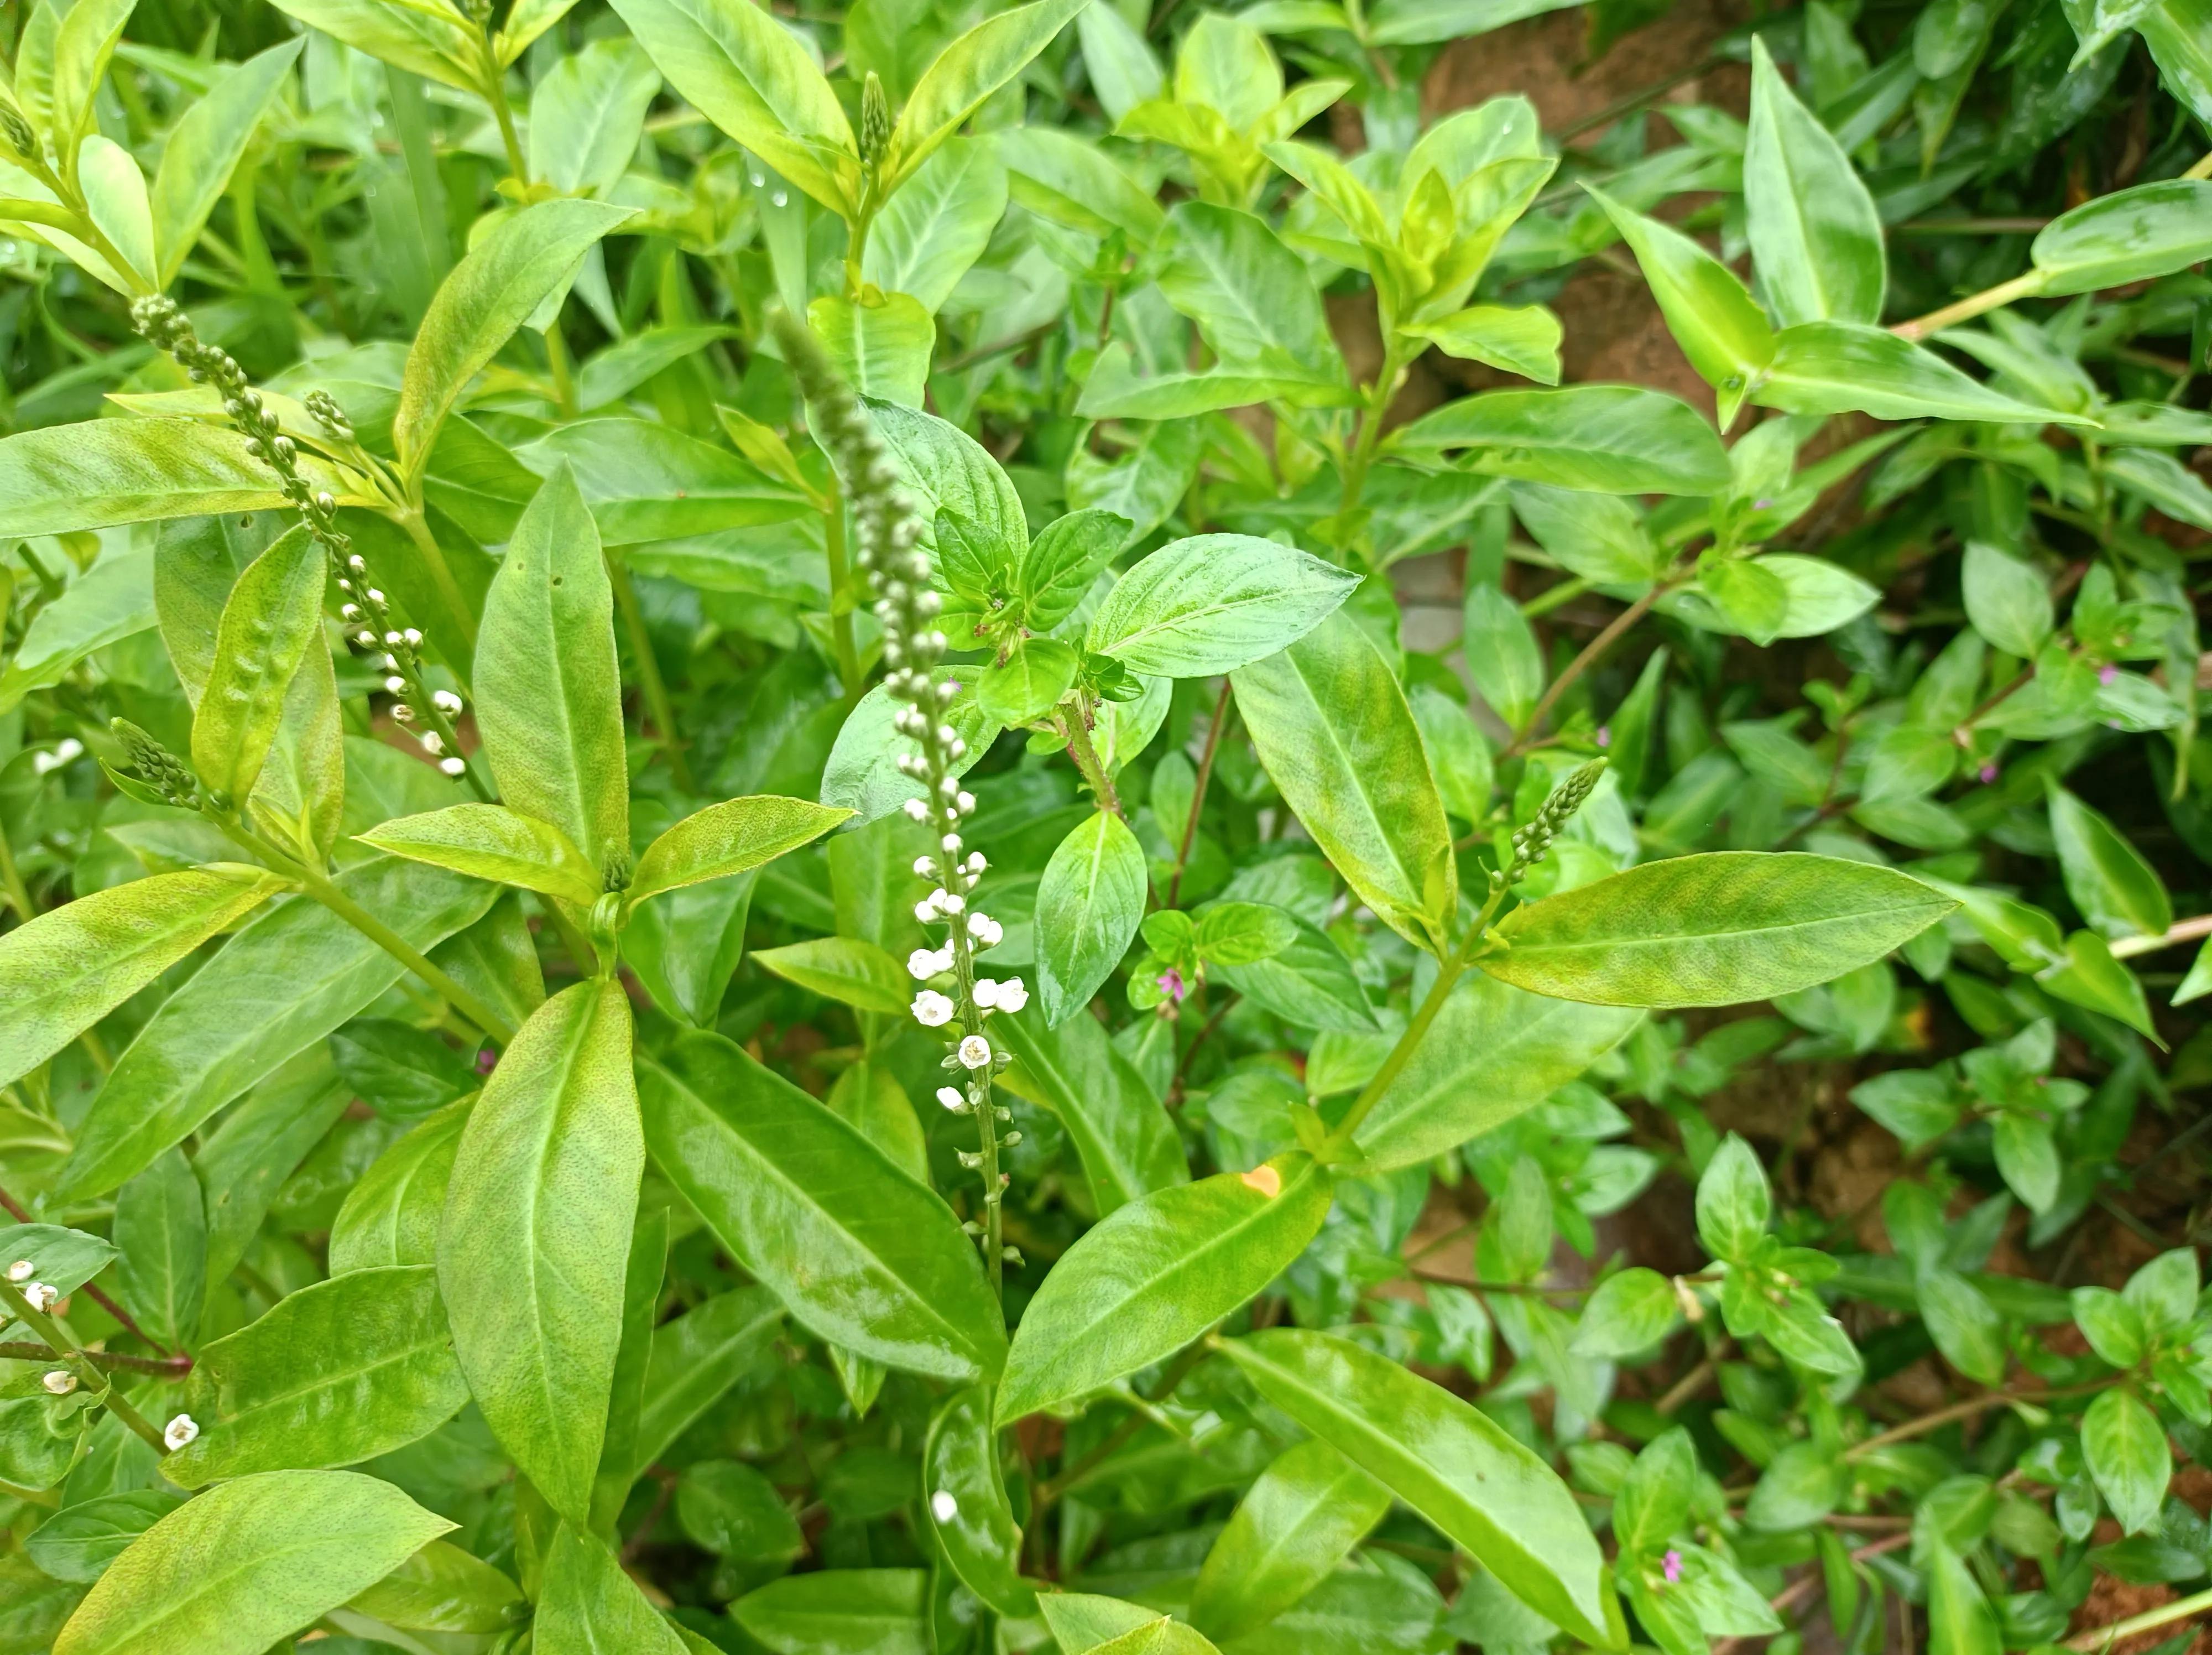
123,1318
1591,651
1197,793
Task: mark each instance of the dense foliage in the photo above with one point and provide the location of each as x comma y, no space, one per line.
874,833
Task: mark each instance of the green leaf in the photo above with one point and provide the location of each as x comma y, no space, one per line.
548,695
737,63
247,1564
1481,1487
590,1605
78,1542
2117,891
1212,603
1630,1312
587,115
1734,1201
283,982
1123,1135
1521,339
1712,930
160,1224
1711,314
863,773
858,974
697,1357
106,472
1960,1621
931,232
506,276
1029,682
1599,537
333,1374
1340,743
729,838
2152,229
442,1589
2127,1453
1063,561
1088,904
490,842
859,1253
1492,1053
733,1510
391,1215
839,1612
1146,1281
966,1495
204,146
645,481
1964,1325
1608,438
1251,296
536,1234
1288,1534
1837,368
1502,656
437,44
1069,180
1815,236
69,967
964,74
112,600
2007,601
881,350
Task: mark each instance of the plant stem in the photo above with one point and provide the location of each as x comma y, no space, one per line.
449,590
2202,169
1581,664
2180,931
1197,792
1966,1410
1075,720
316,885
840,595
2165,1615
73,1359
16,1210
2026,286
1363,447
649,671
171,1367
1192,1355
1449,972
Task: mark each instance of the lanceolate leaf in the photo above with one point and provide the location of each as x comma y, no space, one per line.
490,842
859,1252
1213,603
1834,367
336,1374
111,471
1088,906
728,838
1607,439
1146,1281
1712,930
66,970
1293,1528
287,979
1124,1137
1815,236
1447,1460
591,1607
1338,739
536,1233
966,1495
247,1564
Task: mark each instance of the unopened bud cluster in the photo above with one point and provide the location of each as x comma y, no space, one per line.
17,130
885,534
875,120
1532,843
156,766
370,623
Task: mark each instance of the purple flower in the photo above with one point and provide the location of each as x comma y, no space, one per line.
487,1060
2107,674
1988,774
1671,1564
1172,985
1605,735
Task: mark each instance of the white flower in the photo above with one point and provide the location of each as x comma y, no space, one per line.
986,930
931,1009
965,804
22,1270
60,1382
925,867
924,963
950,902
976,1052
451,766
926,910
986,992
952,1097
916,809
432,742
395,684
179,1431
40,1297
1013,994
446,701
943,1506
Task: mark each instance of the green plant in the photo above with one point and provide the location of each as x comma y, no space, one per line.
583,646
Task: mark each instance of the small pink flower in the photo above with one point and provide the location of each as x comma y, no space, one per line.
1605,735
1987,773
487,1060
2107,674
1172,985
1671,1564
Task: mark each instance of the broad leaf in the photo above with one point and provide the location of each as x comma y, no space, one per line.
729,838
1608,438
490,842
1288,1534
590,1606
1126,1139
1815,236
1213,603
968,72
966,1495
2153,230
1088,906
1835,368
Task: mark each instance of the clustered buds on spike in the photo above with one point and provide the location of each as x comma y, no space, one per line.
886,534
156,766
1532,843
875,120
366,611
17,130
